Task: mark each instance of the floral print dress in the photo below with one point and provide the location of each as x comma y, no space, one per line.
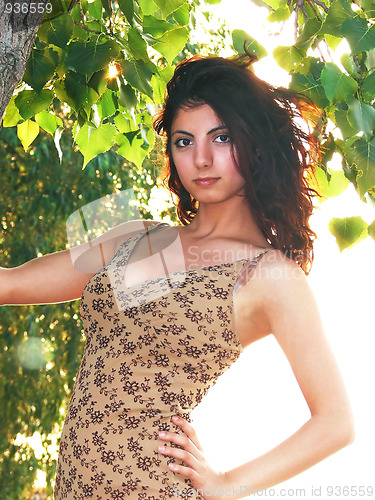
144,361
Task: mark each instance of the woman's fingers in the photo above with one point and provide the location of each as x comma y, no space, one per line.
185,456
188,430
190,451
196,468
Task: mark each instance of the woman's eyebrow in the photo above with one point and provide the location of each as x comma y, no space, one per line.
212,131
182,132
220,127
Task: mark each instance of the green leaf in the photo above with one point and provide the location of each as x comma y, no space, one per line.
329,188
156,27
371,230
138,46
166,73
349,64
48,121
127,97
339,11
332,41
95,9
98,81
159,87
182,15
361,117
309,32
171,43
311,87
289,58
168,6
148,6
341,120
88,58
368,87
132,147
337,86
30,102
138,74
274,4
12,115
93,141
241,39
348,231
57,31
327,147
362,155
80,95
27,132
368,7
107,105
360,34
127,7
124,125
280,14
312,66
40,67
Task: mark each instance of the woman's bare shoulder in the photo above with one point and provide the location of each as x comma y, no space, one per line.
273,278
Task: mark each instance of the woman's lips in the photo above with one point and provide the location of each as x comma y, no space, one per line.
206,181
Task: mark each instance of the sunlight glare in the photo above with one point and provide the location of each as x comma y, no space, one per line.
112,70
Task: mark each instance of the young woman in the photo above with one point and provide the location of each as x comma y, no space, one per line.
174,307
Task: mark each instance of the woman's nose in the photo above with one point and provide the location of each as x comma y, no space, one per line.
203,156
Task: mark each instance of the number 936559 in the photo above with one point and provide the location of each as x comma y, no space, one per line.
26,8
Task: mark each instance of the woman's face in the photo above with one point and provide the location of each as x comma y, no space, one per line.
202,153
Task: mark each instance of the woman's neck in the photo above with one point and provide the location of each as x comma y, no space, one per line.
219,220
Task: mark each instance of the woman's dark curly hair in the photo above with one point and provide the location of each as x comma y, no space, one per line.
273,153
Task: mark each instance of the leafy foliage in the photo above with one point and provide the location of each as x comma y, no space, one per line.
345,94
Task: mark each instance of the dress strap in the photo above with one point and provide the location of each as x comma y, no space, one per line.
149,227
148,230
245,274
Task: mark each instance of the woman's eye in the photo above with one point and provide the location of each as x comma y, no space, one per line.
183,142
223,138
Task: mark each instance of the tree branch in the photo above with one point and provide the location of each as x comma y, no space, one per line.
321,4
86,28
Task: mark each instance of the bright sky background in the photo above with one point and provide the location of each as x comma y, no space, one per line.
267,405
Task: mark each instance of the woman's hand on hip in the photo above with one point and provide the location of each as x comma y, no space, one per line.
201,474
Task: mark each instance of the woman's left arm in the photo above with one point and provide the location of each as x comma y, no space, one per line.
295,321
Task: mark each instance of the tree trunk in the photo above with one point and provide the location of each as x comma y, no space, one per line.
19,22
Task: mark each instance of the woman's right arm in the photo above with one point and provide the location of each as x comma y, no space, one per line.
62,276
44,280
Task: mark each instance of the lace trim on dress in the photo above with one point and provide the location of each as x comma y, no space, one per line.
245,274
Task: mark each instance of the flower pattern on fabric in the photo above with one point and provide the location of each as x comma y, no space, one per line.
142,364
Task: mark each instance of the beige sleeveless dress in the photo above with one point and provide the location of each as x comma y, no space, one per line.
143,364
